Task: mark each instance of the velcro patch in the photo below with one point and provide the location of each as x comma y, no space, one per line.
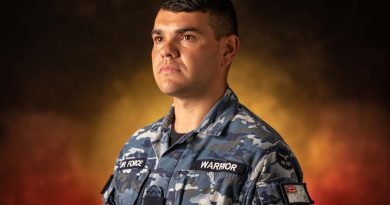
154,196
131,163
296,193
219,166
284,158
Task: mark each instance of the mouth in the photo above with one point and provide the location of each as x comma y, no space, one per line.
168,69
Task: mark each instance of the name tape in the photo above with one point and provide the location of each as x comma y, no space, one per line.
131,163
219,166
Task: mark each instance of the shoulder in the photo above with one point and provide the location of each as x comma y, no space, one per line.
249,126
141,139
271,156
148,130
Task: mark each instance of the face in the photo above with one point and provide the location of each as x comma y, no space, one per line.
187,58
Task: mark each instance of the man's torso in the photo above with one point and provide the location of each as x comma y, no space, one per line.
225,161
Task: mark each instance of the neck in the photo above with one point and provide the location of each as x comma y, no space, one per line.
189,112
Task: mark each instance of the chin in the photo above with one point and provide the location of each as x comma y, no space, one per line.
172,87
168,90
176,91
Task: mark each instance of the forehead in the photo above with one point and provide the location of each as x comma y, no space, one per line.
167,19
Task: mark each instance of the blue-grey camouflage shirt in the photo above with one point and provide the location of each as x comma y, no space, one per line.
233,157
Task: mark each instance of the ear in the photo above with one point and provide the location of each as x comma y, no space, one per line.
230,48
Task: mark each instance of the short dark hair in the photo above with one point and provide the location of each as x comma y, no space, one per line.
223,18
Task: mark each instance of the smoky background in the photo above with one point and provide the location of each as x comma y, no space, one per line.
76,82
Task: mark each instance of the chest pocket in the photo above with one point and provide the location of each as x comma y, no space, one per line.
207,187
129,183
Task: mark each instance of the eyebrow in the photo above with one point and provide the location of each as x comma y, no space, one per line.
178,31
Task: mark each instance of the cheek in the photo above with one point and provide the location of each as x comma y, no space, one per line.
208,59
201,55
154,59
153,54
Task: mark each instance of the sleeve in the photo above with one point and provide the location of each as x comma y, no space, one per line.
108,192
279,179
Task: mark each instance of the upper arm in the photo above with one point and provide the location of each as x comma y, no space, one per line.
109,192
278,178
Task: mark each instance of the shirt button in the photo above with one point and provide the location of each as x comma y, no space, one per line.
154,196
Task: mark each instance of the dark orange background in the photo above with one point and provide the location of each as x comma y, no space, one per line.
76,82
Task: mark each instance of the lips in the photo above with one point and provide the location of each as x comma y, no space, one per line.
169,69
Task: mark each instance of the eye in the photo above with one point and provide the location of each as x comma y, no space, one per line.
188,37
158,39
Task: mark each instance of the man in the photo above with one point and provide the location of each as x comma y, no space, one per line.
208,149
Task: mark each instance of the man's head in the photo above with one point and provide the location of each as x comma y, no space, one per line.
223,17
194,43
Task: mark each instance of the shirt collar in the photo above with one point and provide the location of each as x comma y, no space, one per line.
216,119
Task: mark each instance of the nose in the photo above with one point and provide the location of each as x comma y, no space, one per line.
169,50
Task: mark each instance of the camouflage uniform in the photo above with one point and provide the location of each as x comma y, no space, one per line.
233,157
